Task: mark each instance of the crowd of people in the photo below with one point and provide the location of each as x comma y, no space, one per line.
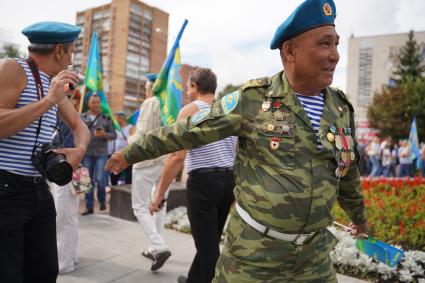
383,157
281,149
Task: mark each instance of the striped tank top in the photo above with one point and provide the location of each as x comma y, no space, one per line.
313,106
16,150
217,154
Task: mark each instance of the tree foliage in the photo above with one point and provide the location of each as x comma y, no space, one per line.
387,113
393,107
10,50
408,61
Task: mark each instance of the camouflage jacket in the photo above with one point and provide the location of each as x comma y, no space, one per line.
291,188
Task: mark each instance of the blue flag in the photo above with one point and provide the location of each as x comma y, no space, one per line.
168,85
380,251
413,140
132,120
94,80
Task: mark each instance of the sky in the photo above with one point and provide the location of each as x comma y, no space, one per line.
231,37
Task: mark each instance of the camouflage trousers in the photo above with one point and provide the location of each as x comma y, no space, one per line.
249,256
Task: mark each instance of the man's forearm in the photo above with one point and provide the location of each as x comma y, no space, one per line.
13,121
81,136
172,166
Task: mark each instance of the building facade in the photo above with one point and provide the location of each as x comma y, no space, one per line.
132,42
370,66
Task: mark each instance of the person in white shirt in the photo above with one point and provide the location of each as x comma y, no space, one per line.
146,175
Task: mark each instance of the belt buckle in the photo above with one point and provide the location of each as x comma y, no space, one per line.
300,239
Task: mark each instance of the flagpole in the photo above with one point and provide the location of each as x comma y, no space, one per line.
348,228
83,94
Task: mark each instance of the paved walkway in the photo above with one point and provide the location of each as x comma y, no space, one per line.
109,251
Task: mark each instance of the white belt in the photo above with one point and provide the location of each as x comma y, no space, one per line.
298,239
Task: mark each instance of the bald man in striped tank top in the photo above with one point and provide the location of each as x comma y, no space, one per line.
210,183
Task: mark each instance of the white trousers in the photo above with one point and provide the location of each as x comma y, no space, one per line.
142,188
67,206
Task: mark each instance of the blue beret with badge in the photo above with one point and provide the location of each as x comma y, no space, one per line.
151,77
309,15
51,32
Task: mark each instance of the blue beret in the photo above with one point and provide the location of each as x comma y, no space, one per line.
51,32
151,77
308,15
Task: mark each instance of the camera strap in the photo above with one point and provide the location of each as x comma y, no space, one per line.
40,95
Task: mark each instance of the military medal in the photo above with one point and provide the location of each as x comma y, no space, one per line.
330,137
341,171
333,129
285,128
338,172
338,142
344,171
343,139
278,115
270,127
353,156
341,111
266,105
350,142
274,143
346,157
277,104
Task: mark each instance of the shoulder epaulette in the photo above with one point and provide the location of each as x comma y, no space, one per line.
256,83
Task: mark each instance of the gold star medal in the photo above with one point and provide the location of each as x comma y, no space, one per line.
330,137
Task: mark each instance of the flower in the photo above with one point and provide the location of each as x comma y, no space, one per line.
81,180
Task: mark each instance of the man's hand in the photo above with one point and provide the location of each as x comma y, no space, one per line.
155,203
358,230
117,162
100,133
73,155
59,86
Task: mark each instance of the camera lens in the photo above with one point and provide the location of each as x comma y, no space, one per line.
58,170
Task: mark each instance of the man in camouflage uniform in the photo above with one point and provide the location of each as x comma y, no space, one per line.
286,184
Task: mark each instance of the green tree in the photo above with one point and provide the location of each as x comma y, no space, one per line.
414,87
393,109
228,89
408,61
387,113
10,50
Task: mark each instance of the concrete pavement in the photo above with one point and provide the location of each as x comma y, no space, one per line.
109,251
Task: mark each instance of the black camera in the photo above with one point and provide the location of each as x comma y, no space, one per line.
51,165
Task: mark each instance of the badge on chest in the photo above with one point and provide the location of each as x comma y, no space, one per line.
280,125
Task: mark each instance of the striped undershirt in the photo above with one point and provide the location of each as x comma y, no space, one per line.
16,150
313,106
217,154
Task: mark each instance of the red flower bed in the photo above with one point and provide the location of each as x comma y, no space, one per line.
395,209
